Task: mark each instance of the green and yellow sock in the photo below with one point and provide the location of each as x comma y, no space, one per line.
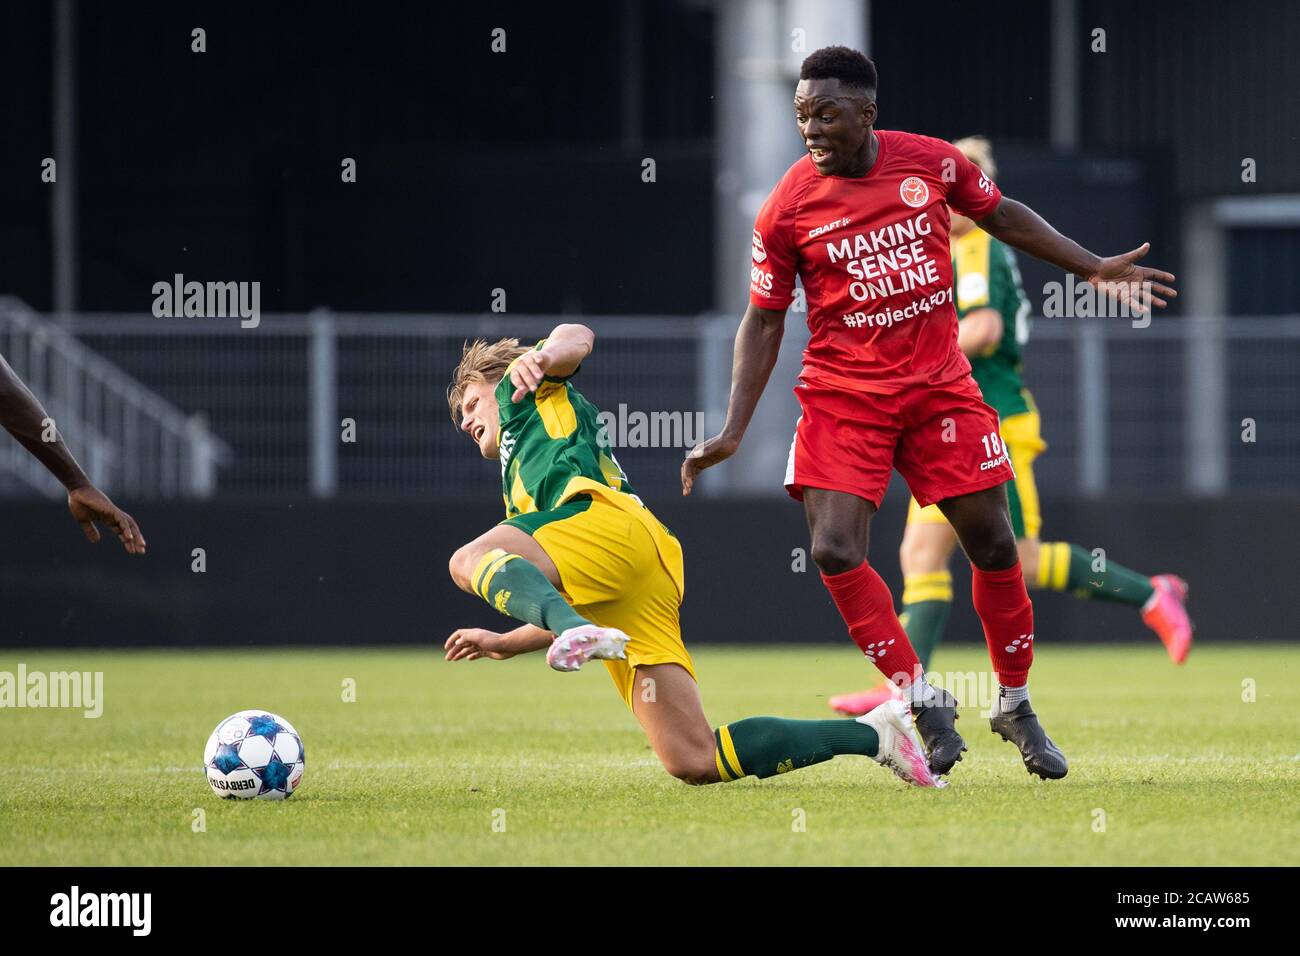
766,746
1068,567
927,601
514,586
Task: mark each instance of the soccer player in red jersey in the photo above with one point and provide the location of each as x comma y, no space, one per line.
863,221
993,312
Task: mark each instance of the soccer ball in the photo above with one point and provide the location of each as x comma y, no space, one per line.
254,755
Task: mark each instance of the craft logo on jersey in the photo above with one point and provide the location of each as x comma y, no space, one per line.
829,227
760,254
914,191
995,452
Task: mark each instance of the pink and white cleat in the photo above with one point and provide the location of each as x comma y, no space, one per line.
577,645
1165,614
865,701
901,749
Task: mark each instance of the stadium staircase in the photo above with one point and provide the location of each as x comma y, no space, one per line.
128,438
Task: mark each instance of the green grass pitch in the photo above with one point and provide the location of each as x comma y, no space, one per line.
432,759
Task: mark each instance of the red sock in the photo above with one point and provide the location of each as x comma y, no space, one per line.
1002,603
868,609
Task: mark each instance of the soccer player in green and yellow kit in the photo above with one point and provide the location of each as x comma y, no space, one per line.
994,312
592,574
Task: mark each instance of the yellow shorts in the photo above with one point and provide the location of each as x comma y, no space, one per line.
618,568
1022,434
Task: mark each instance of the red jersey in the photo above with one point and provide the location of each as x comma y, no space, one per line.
872,253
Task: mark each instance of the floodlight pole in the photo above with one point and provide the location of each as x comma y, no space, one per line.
63,209
761,44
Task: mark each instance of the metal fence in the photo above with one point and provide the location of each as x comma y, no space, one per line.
1184,405
1204,406
1123,409
280,394
125,435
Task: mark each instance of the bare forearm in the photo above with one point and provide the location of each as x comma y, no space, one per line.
568,345
524,640
24,418
1019,226
758,342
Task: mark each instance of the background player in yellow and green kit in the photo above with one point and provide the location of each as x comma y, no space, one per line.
593,575
993,311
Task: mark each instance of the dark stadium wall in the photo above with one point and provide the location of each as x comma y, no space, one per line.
367,572
226,164
230,167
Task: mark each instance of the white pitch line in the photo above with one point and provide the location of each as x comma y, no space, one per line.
361,765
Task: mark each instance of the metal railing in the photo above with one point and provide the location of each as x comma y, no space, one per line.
127,437
1202,405
348,404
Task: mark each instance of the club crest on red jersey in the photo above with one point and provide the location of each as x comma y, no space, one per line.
914,191
760,254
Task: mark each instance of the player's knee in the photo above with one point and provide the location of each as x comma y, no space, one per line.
836,552
462,565
916,556
994,548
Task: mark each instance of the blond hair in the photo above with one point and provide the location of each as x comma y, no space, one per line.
480,361
980,152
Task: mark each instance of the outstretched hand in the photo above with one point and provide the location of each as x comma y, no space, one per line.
1128,283
88,504
471,643
528,373
705,455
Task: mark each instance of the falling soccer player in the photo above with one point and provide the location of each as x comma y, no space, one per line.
993,314
863,221
22,416
592,574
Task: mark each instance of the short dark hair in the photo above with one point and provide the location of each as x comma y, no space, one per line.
850,67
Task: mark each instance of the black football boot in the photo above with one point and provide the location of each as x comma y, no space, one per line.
1021,727
935,721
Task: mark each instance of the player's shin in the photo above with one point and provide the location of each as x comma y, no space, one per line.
766,746
1003,606
515,587
866,605
1068,567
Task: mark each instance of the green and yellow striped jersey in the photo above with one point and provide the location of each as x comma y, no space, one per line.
552,447
985,276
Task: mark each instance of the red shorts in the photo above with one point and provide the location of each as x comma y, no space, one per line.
943,439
